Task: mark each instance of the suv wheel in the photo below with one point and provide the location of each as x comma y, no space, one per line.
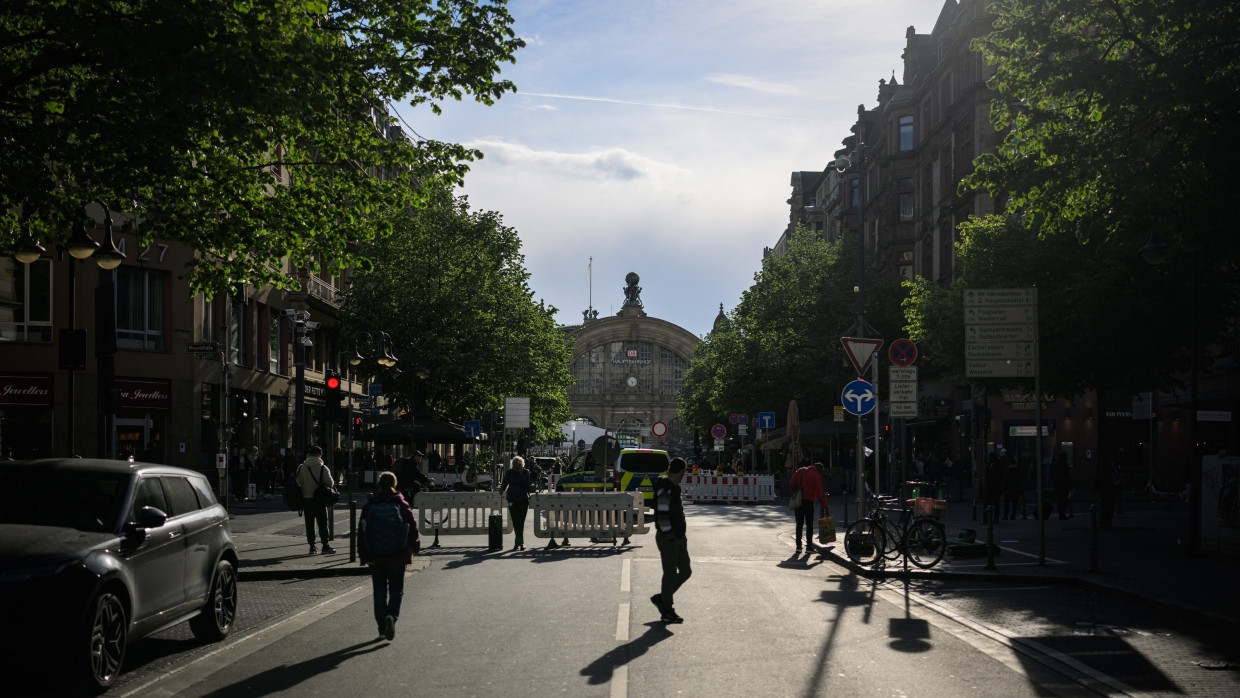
107,636
216,619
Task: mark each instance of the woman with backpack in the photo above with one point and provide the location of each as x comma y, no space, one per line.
387,540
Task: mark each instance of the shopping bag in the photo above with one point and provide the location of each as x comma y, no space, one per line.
826,529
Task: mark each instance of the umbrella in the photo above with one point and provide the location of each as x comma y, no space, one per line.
793,435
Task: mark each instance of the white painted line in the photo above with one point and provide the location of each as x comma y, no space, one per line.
181,680
625,569
620,682
622,623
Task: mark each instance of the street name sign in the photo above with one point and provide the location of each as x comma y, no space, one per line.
996,368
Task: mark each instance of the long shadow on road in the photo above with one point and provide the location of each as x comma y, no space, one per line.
600,670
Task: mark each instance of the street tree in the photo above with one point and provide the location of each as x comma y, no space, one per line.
451,288
782,341
249,131
1099,305
1119,131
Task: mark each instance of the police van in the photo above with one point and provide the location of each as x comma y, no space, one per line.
635,470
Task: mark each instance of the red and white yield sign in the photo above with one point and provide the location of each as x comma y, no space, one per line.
902,352
860,351
658,429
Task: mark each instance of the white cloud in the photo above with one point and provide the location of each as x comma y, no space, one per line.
599,163
751,83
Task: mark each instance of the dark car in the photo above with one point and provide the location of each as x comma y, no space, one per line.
97,553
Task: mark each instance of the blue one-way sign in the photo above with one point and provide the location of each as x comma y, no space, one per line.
859,398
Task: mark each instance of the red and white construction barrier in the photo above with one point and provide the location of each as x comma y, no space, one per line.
728,488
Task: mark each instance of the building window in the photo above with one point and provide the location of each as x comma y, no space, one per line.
856,191
905,188
236,321
207,331
140,309
671,372
31,319
273,342
906,133
905,264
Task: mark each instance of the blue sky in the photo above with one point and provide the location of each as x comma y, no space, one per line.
659,137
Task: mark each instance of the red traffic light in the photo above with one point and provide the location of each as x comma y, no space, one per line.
333,382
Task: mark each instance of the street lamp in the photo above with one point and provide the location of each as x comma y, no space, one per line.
842,164
80,246
1156,251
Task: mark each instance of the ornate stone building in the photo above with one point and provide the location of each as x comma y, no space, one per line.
629,370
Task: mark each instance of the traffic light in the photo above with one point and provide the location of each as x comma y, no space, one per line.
241,409
964,425
334,397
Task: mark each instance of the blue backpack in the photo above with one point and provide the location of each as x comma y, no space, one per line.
386,532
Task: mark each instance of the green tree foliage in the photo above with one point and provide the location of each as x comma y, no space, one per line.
450,287
1121,115
782,341
250,131
1100,306
1120,125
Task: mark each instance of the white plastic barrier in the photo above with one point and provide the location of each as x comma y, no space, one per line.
588,515
457,513
728,488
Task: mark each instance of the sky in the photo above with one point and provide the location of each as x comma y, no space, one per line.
659,137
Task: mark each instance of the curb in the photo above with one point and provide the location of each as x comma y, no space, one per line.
267,574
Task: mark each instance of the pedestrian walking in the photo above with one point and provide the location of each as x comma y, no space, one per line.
1013,489
808,479
669,518
516,487
387,540
1061,481
312,474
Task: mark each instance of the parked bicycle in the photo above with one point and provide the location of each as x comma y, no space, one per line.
877,537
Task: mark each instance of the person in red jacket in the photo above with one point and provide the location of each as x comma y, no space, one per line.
387,540
808,478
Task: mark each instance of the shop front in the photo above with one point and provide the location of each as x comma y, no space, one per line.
26,410
141,419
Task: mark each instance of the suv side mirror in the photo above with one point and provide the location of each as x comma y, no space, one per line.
148,518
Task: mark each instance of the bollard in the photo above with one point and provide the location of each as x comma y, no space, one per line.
990,538
1093,538
352,531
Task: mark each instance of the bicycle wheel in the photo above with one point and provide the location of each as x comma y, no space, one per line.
893,537
925,543
864,542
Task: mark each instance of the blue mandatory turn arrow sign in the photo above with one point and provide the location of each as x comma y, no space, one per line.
858,397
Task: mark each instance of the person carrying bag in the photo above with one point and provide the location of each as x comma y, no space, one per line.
807,484
312,476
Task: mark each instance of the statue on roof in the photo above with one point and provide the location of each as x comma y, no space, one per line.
632,292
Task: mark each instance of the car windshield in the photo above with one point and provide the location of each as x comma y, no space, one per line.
81,499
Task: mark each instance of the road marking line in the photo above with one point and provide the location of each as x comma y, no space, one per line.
625,569
620,682
181,679
622,623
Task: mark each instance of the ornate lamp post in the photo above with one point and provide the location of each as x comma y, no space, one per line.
80,246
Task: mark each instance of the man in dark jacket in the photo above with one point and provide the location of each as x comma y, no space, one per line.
387,567
669,519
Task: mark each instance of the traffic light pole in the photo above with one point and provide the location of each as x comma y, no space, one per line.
299,399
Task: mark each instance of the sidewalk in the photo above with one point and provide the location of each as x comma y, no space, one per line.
1143,557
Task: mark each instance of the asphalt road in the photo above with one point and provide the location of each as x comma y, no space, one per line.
759,620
